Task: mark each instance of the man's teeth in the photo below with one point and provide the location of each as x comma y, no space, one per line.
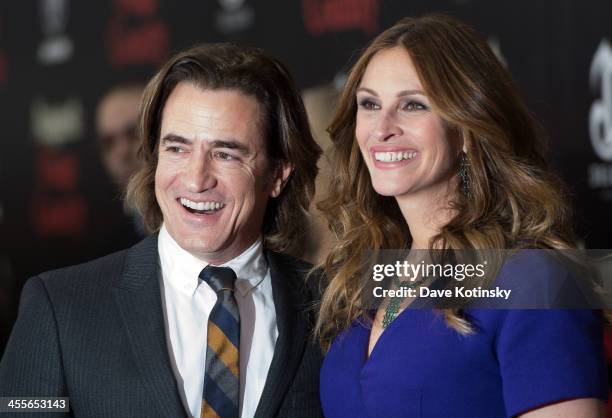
201,205
394,156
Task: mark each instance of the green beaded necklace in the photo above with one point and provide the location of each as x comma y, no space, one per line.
393,306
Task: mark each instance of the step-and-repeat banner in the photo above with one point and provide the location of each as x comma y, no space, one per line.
59,201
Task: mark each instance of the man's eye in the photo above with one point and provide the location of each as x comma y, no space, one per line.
174,149
368,104
224,156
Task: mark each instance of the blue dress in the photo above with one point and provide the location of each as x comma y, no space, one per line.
517,360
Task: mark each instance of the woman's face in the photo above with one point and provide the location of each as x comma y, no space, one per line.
403,141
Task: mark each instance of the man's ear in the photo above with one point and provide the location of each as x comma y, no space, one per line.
282,172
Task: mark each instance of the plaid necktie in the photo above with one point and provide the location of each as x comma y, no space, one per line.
222,373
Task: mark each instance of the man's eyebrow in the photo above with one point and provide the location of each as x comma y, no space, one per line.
175,138
228,143
231,143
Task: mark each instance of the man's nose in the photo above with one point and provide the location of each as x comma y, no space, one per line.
387,126
199,175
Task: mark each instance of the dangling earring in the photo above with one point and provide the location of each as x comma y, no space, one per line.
464,173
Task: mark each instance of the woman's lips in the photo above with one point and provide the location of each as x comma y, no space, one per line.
392,157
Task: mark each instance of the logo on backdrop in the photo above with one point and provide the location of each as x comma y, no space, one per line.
321,16
600,115
135,35
56,207
234,16
56,124
56,47
495,46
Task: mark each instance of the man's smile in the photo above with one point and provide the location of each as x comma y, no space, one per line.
205,207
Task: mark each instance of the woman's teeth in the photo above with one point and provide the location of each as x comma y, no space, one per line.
394,156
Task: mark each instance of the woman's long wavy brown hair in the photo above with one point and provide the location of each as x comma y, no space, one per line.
515,200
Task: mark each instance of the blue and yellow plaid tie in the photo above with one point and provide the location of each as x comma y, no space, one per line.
222,378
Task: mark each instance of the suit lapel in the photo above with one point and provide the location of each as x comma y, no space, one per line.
138,298
290,299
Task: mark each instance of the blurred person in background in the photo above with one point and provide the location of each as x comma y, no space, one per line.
116,122
320,102
116,129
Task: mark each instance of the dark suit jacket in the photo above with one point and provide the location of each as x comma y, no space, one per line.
95,333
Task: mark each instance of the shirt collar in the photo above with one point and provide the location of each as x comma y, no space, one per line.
183,268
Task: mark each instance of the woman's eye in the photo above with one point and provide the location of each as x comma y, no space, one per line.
412,106
368,105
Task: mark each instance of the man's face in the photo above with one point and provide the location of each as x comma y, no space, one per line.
213,177
116,120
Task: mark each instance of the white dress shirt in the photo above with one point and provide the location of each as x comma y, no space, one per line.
187,303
